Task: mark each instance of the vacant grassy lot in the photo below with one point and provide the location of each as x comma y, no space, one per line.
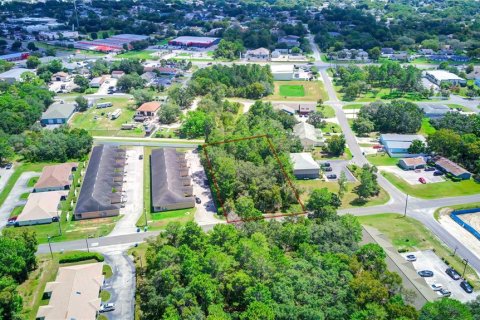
375,94
350,199
97,122
285,90
292,90
353,106
382,159
408,234
426,127
318,154
327,111
435,190
142,55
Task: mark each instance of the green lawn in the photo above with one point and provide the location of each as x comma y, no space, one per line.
458,106
426,127
318,154
352,106
292,90
331,128
32,182
435,190
158,220
142,55
24,196
408,234
350,199
382,159
375,94
107,271
327,111
16,211
105,295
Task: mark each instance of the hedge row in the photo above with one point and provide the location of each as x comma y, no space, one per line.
76,256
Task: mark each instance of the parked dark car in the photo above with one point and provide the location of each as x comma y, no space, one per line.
9,165
438,173
198,200
411,258
466,286
430,169
445,293
425,273
332,176
452,273
326,164
328,169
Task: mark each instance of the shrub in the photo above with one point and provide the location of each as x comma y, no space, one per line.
76,256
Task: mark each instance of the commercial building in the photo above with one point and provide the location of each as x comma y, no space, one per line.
101,192
199,42
396,145
441,76
258,54
282,71
170,182
434,111
13,75
452,168
412,163
74,294
97,82
309,136
41,208
58,113
56,177
15,56
112,44
304,166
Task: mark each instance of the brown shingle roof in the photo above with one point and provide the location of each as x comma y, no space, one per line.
56,175
418,161
450,166
149,106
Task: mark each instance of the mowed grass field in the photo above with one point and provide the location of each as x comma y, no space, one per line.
97,122
298,91
292,91
142,55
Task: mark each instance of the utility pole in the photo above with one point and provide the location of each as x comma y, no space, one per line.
455,251
465,268
59,224
145,214
406,205
86,240
50,246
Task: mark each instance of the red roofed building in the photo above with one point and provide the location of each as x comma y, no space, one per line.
148,109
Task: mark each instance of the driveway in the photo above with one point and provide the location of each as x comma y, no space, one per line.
206,211
132,192
13,199
338,166
121,284
5,174
428,260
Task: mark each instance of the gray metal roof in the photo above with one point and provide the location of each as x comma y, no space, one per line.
168,184
96,193
59,111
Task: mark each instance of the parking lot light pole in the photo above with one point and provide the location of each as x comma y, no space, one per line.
406,205
465,268
86,240
59,223
455,251
50,246
145,213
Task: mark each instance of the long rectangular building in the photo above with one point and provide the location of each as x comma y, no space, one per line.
189,41
171,184
101,192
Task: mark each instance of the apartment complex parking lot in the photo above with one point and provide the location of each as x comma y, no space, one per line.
412,176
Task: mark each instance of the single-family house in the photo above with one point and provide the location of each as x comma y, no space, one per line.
58,113
13,75
56,177
434,111
61,76
97,82
258,54
148,109
387,51
171,184
41,208
412,163
397,145
117,74
304,166
101,192
441,76
309,136
74,294
452,168
290,41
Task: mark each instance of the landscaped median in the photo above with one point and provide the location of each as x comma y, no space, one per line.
407,234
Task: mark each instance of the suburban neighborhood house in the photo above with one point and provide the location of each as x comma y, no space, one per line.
412,163
304,166
452,168
171,185
58,113
101,192
146,110
74,294
309,136
56,177
434,111
41,208
396,145
13,75
441,76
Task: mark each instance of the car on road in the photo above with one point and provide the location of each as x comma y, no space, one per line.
466,286
425,273
328,169
107,307
436,286
452,273
411,258
422,180
332,176
198,200
445,293
430,169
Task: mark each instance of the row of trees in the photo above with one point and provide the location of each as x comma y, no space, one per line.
390,74
247,81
